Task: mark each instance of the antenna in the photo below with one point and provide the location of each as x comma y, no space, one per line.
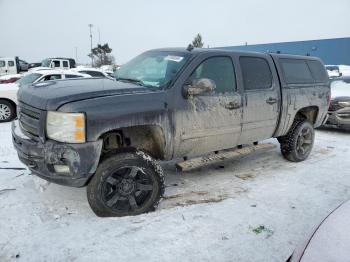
190,47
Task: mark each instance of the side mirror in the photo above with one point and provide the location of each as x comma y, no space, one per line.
198,87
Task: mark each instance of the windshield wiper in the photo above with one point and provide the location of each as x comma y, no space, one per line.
131,80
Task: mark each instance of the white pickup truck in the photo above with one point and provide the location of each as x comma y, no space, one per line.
56,63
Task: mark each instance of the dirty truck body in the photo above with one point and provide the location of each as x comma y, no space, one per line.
206,100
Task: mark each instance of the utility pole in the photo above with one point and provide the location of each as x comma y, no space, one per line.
99,35
76,54
92,58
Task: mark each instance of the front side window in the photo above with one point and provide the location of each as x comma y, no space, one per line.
220,70
56,63
256,73
65,64
11,63
154,69
296,71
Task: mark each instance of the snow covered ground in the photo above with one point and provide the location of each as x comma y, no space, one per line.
257,208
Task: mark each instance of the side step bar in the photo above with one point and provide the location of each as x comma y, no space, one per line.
221,156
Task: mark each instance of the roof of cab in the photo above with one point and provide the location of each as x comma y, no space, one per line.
214,50
201,50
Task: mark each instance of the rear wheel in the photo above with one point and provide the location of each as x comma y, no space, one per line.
296,146
126,184
7,111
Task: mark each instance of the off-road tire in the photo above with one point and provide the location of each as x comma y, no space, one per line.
9,108
290,148
96,189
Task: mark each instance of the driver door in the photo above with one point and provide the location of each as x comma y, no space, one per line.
211,121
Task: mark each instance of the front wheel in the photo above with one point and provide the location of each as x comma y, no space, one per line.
7,111
126,184
296,146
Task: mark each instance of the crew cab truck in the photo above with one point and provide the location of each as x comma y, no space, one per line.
58,63
165,104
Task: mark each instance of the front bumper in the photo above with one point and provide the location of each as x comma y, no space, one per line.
40,158
339,118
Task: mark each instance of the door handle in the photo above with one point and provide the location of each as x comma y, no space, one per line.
233,105
271,100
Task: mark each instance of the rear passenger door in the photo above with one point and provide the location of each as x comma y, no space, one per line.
65,64
261,93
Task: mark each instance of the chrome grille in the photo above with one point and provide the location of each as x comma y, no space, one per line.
29,120
334,106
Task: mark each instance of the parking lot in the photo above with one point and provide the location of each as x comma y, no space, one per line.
257,208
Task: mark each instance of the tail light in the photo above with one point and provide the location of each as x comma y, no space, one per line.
10,80
329,99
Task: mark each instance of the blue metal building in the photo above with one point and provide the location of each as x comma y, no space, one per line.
334,51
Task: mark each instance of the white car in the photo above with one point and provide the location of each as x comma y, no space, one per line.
93,72
8,92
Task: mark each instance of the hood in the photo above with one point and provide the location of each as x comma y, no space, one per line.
334,234
51,95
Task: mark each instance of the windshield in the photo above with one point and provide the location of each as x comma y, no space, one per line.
28,79
46,63
155,69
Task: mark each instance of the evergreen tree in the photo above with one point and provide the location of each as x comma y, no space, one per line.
197,41
102,55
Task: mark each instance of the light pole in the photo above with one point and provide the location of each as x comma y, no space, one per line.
99,35
92,58
76,54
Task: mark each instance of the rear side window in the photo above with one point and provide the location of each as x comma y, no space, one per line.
318,71
65,63
220,70
2,63
52,77
73,76
93,73
256,73
296,71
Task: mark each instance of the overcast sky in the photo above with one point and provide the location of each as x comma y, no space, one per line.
36,29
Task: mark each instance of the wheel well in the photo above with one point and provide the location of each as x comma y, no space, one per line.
148,138
309,113
11,102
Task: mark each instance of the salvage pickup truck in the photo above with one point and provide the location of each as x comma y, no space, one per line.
165,104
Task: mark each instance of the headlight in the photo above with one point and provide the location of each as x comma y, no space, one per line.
66,127
344,104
